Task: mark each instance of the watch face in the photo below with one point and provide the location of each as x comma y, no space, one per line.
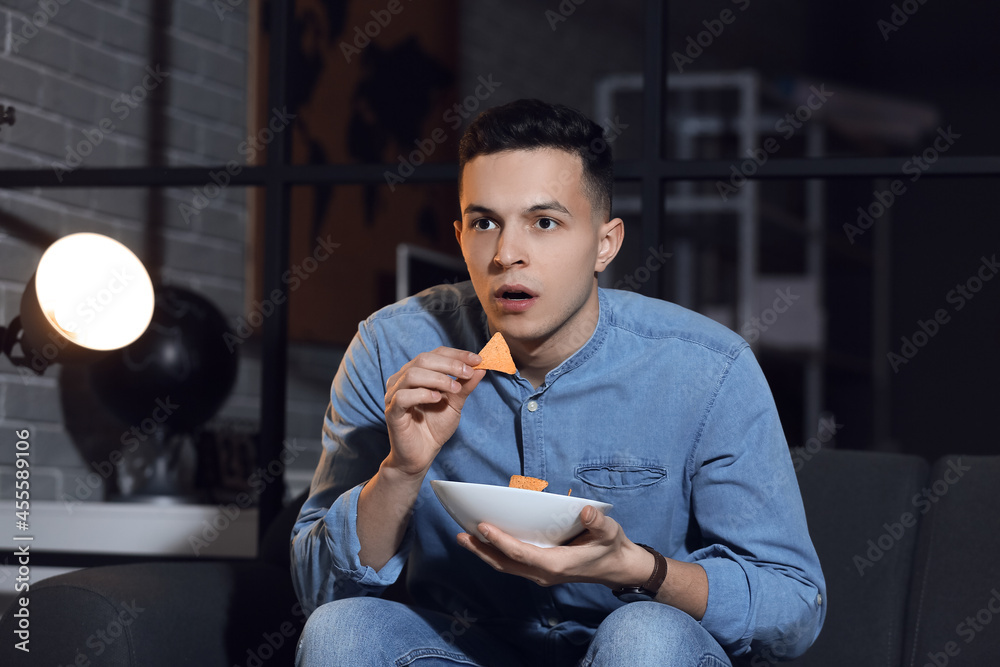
632,595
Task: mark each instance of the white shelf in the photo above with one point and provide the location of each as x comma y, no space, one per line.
137,529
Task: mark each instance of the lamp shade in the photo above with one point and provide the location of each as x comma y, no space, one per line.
180,364
90,294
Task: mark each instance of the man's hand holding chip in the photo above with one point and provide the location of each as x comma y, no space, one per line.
423,404
423,401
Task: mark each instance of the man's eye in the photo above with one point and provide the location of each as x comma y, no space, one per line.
483,224
546,223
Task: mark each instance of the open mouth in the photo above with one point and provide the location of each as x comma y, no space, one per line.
514,297
514,292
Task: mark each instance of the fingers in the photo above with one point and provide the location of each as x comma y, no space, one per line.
429,375
486,551
545,567
594,557
599,530
509,554
511,547
505,553
443,360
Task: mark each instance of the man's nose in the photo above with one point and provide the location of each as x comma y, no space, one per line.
510,248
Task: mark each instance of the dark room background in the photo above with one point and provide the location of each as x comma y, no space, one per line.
880,340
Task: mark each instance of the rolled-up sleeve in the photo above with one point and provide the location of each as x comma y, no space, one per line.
324,544
766,592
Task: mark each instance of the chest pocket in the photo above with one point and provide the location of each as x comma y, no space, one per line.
621,475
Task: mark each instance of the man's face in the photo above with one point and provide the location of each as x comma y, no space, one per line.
532,244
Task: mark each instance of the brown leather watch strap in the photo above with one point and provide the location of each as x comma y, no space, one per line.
648,590
659,571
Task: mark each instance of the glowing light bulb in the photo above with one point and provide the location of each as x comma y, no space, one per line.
94,291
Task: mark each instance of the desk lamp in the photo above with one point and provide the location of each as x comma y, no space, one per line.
88,296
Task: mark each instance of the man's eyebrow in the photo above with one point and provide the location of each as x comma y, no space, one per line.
541,206
478,208
547,206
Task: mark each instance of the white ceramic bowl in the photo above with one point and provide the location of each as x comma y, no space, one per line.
536,517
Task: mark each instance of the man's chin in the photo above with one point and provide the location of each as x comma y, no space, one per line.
519,331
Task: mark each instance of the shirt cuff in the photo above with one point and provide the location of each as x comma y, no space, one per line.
342,526
727,615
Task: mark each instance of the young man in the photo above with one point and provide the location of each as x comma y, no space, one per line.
621,398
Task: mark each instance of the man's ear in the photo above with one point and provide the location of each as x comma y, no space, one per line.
611,234
458,232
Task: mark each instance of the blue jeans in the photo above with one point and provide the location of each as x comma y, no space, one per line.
371,632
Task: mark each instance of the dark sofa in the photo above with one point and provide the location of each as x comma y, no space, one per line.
909,550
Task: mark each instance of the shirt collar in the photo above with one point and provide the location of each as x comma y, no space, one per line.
578,358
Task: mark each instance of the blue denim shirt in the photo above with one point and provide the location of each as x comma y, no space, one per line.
662,412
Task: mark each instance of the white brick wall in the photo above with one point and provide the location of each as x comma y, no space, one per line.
69,75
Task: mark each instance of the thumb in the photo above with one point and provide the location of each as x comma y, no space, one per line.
593,520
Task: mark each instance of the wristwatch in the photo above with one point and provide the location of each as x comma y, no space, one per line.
646,591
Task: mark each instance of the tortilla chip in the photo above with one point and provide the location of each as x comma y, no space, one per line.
530,483
496,356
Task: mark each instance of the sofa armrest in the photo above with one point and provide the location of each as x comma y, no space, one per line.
955,605
854,502
160,614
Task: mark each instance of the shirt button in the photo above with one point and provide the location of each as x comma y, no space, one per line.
552,621
819,598
532,406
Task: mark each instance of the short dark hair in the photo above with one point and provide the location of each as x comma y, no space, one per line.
529,124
